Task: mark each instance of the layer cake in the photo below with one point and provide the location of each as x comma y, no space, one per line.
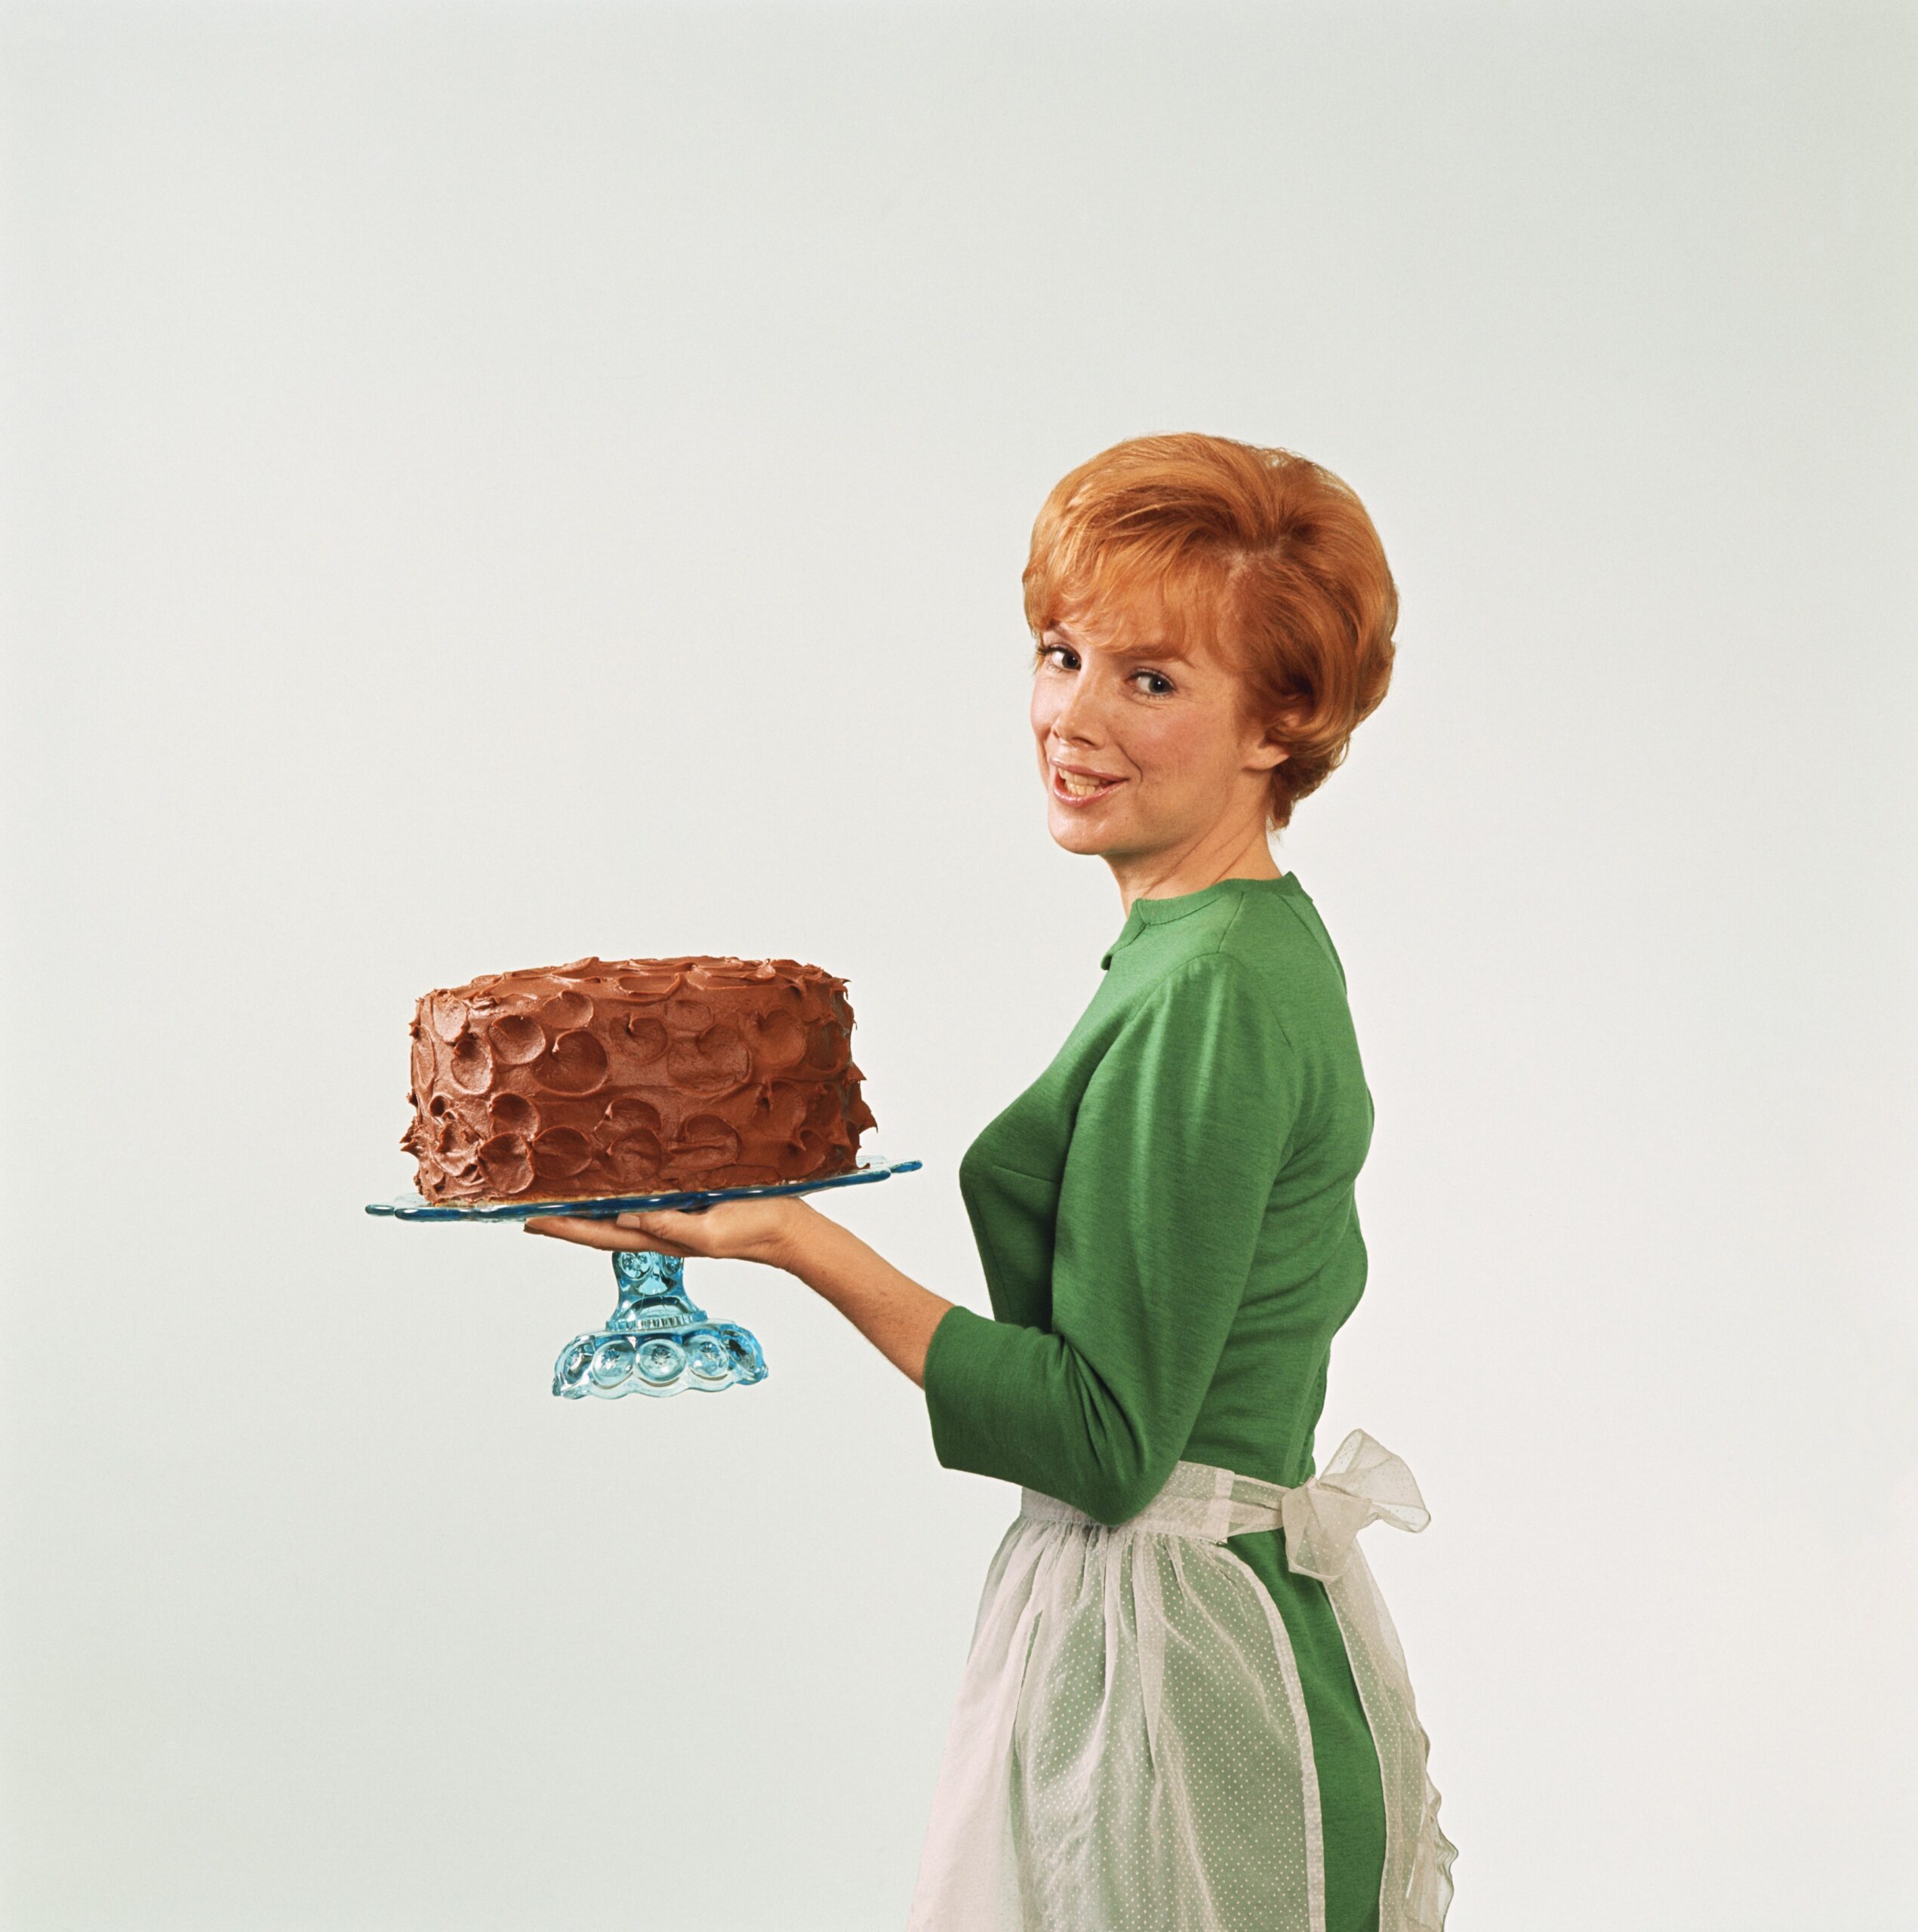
633,1076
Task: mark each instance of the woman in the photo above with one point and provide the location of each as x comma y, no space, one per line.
1183,1710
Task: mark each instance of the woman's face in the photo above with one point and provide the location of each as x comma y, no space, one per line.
1144,750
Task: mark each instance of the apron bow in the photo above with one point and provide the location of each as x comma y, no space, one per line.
1363,1483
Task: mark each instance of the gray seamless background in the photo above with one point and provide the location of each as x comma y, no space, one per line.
487,483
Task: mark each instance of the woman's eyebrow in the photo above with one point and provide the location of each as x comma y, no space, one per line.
1160,653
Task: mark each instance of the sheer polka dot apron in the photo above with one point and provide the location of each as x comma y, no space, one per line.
1131,1752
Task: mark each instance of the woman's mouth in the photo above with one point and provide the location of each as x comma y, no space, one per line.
1080,788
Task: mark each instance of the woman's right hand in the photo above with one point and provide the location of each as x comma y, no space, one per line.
774,1231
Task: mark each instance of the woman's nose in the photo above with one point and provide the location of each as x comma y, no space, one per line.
1078,716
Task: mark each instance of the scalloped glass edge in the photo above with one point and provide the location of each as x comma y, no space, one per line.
411,1208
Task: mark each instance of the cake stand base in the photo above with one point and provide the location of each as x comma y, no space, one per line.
657,1341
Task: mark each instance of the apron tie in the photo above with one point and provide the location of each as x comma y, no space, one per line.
1364,1482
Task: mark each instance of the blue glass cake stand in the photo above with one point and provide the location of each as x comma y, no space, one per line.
658,1341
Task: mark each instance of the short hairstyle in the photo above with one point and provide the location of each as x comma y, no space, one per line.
1259,552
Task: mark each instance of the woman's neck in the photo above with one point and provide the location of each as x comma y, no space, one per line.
1170,875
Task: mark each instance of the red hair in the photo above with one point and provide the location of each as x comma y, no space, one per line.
1263,555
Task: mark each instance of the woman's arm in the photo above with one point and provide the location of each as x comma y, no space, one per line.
1176,1143
892,1311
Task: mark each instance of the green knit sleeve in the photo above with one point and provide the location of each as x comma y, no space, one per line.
1178,1138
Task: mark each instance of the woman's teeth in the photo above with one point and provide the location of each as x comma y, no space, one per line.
1074,786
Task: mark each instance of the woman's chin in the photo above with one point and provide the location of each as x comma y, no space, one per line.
1081,832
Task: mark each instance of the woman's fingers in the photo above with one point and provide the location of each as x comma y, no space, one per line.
671,1226
729,1230
610,1235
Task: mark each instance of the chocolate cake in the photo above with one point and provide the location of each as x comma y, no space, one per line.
633,1076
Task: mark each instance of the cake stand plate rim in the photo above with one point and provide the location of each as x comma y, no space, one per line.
412,1207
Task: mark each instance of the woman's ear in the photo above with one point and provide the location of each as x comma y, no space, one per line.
1274,744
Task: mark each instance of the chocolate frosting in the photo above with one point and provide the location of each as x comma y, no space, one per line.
633,1076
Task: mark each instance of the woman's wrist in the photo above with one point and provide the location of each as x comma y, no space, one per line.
806,1240
802,1241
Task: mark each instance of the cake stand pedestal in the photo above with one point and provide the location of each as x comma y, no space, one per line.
657,1341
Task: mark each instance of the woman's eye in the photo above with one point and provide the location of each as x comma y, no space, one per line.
1064,658
1157,685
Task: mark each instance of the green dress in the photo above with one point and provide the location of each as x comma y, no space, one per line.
1166,1223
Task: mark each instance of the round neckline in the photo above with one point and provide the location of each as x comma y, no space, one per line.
1162,911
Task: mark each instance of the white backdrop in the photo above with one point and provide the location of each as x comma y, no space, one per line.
488,484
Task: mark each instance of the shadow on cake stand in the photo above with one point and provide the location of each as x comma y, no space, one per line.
657,1341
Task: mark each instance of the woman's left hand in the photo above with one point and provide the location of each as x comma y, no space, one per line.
772,1231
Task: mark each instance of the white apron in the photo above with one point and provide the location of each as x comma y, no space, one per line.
1131,1750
